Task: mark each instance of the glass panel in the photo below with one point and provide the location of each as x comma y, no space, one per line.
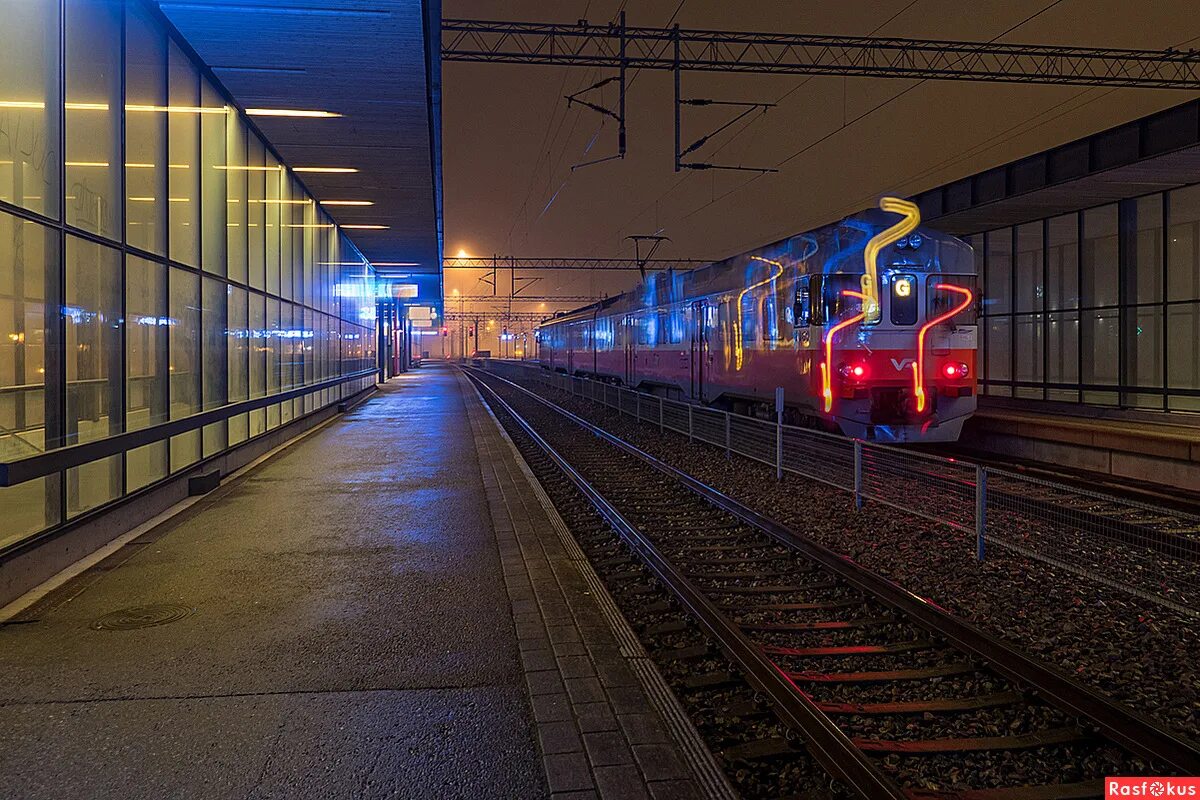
1062,269
1062,350
273,344
1183,336
236,176
1183,246
93,362
1100,257
145,131
999,353
28,273
256,177
258,345
93,343
1029,353
183,126
289,200
1146,272
1100,343
30,161
213,181
238,336
998,287
216,360
274,179
147,366
94,115
185,362
1029,267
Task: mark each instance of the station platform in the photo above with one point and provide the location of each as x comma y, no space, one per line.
1138,447
380,609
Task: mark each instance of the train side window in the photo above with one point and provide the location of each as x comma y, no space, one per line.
803,311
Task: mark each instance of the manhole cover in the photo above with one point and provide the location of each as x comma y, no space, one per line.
128,619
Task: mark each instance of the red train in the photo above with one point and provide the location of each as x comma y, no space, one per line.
869,325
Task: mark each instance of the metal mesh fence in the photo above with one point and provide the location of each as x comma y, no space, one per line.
1148,551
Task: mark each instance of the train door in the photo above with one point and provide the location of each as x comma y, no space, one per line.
630,325
572,335
699,351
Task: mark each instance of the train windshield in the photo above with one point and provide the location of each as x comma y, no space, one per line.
947,292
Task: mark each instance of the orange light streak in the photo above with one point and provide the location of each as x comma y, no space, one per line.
827,365
919,366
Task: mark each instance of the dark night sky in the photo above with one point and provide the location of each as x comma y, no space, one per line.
839,143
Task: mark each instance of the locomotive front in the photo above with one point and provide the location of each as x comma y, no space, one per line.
899,337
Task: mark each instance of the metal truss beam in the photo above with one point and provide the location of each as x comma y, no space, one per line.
584,45
510,262
521,298
499,316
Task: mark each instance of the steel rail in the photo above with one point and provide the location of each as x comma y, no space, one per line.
825,741
1120,724
616,46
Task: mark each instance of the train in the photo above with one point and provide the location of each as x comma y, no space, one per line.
868,325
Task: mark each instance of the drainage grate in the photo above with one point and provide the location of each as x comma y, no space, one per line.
128,619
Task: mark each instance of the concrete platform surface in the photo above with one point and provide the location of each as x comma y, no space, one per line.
348,633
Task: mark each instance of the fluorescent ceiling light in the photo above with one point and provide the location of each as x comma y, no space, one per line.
291,112
366,227
347,203
338,170
395,264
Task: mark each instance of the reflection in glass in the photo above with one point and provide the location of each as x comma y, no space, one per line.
147,366
145,132
183,136
28,272
30,153
185,362
93,163
93,355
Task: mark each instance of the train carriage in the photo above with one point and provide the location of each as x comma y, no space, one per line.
868,325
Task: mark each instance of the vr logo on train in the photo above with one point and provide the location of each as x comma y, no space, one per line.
1151,787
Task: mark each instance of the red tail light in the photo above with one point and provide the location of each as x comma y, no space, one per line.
856,372
956,369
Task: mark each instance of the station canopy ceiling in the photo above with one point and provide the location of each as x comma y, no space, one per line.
367,63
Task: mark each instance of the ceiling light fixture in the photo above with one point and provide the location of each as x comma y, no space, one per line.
330,170
291,112
346,203
366,227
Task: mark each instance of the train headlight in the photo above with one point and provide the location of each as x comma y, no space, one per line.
956,369
915,241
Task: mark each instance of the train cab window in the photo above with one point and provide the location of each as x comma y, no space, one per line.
903,299
835,305
943,300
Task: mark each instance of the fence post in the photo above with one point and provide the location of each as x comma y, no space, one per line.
858,474
689,423
980,510
660,416
778,433
728,439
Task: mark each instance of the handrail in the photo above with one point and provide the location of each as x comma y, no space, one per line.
63,458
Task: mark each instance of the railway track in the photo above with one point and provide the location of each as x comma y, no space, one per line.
891,695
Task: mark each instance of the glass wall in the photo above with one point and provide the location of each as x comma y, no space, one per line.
1100,307
164,294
